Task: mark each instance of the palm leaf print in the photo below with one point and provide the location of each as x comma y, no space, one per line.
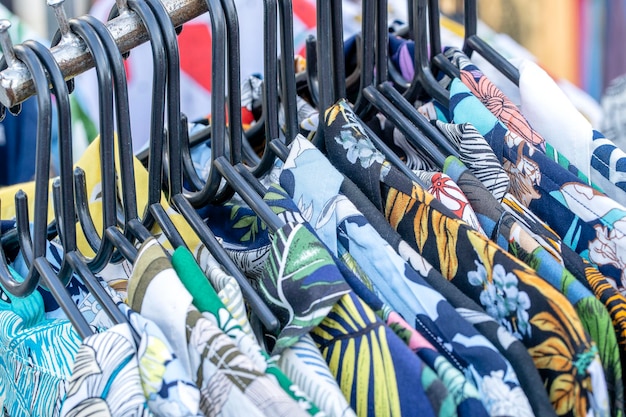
301,282
357,358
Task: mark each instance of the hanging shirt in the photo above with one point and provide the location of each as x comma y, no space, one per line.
550,112
585,273
589,222
330,213
208,302
455,395
501,225
354,342
168,389
36,354
508,114
450,392
228,382
105,377
302,363
509,290
444,189
469,311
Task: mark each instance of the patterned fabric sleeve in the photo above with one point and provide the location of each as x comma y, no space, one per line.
445,190
228,381
210,305
501,107
590,223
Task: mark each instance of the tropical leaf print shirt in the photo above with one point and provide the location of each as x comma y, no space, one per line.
308,294
510,291
589,222
37,356
452,393
502,226
344,228
209,303
478,156
228,381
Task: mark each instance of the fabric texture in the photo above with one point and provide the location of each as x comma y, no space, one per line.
589,222
322,204
520,243
444,189
208,302
37,356
549,240
167,387
454,393
509,290
228,382
369,347
549,110
501,107
105,377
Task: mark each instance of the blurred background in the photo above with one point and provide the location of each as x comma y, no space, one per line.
578,42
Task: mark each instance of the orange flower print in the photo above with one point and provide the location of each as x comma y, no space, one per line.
501,107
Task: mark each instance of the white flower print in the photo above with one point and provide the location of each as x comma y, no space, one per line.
502,298
605,248
360,149
503,400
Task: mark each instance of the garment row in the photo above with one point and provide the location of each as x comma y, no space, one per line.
495,289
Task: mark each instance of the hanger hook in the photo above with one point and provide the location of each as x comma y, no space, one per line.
7,43
61,18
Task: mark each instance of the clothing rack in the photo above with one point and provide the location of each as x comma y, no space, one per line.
16,84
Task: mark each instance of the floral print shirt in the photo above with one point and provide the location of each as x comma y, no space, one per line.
335,218
480,159
589,222
501,107
208,302
509,290
448,192
105,377
581,269
593,315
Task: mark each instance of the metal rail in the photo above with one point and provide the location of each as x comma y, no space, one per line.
73,57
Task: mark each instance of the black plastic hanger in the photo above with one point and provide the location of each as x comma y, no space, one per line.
177,132
177,197
471,42
40,268
395,106
436,52
287,70
474,43
221,163
368,50
270,84
155,151
63,191
410,131
102,247
424,78
133,226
